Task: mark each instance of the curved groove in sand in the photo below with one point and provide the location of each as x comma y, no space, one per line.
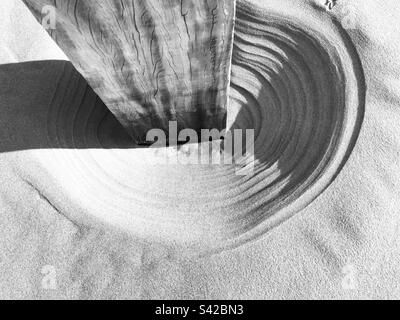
302,90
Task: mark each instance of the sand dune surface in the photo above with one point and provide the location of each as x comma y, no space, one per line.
318,218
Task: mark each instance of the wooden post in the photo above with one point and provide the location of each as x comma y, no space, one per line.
150,61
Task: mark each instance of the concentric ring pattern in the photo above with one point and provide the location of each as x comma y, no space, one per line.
301,89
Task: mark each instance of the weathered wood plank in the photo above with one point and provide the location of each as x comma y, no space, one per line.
151,61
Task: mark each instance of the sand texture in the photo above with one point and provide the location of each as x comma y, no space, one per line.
318,217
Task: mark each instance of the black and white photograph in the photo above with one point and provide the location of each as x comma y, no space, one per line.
199,154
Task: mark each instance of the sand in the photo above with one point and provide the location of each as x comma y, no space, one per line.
80,205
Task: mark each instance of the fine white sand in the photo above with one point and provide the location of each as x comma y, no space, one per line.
75,199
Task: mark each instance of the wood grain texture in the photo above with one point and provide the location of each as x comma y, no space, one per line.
151,61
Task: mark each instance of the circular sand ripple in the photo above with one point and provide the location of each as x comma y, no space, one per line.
300,87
